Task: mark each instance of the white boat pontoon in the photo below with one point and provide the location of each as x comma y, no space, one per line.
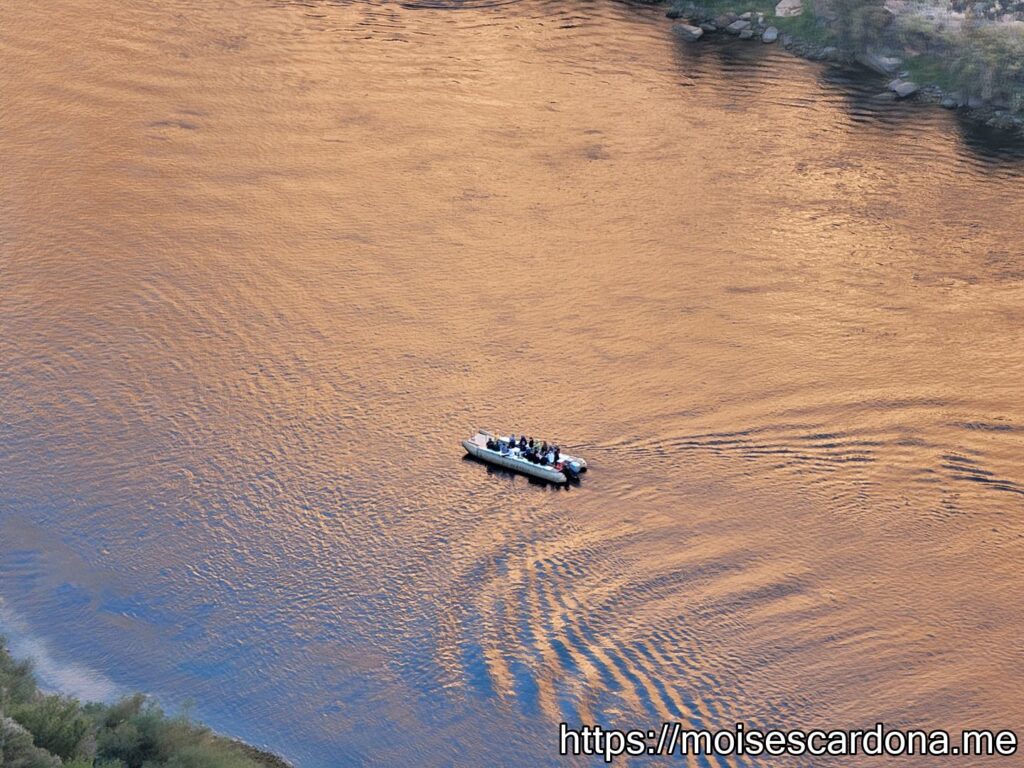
504,455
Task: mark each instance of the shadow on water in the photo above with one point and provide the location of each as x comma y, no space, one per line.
865,94
507,474
749,73
991,145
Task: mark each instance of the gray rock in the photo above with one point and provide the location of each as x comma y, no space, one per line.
737,26
707,26
688,32
1002,121
974,102
902,88
883,65
746,34
674,13
830,53
789,8
949,102
770,35
884,96
747,16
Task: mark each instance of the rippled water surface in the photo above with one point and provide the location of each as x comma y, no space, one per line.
264,265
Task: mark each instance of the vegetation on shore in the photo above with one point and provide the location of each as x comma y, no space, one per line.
965,60
984,60
40,730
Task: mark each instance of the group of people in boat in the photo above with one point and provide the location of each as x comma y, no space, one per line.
525,448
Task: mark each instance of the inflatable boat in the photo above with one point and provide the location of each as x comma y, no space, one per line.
568,467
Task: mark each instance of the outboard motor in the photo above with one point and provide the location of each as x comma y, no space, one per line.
572,469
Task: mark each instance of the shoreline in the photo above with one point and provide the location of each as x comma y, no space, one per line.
794,26
43,729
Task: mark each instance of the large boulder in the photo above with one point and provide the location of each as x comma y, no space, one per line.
687,32
787,8
770,35
737,26
902,88
883,65
746,34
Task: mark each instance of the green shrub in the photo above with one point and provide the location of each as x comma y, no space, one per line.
18,749
990,62
208,755
805,27
16,680
124,710
41,731
56,723
858,23
122,743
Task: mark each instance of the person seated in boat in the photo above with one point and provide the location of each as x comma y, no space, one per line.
558,454
491,444
530,443
549,457
522,442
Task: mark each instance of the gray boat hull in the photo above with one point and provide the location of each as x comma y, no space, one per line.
482,452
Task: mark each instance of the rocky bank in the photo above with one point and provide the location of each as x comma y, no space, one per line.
782,24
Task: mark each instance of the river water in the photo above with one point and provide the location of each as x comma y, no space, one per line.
265,264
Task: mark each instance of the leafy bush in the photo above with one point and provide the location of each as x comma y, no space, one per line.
51,731
56,723
990,63
857,23
18,750
16,678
